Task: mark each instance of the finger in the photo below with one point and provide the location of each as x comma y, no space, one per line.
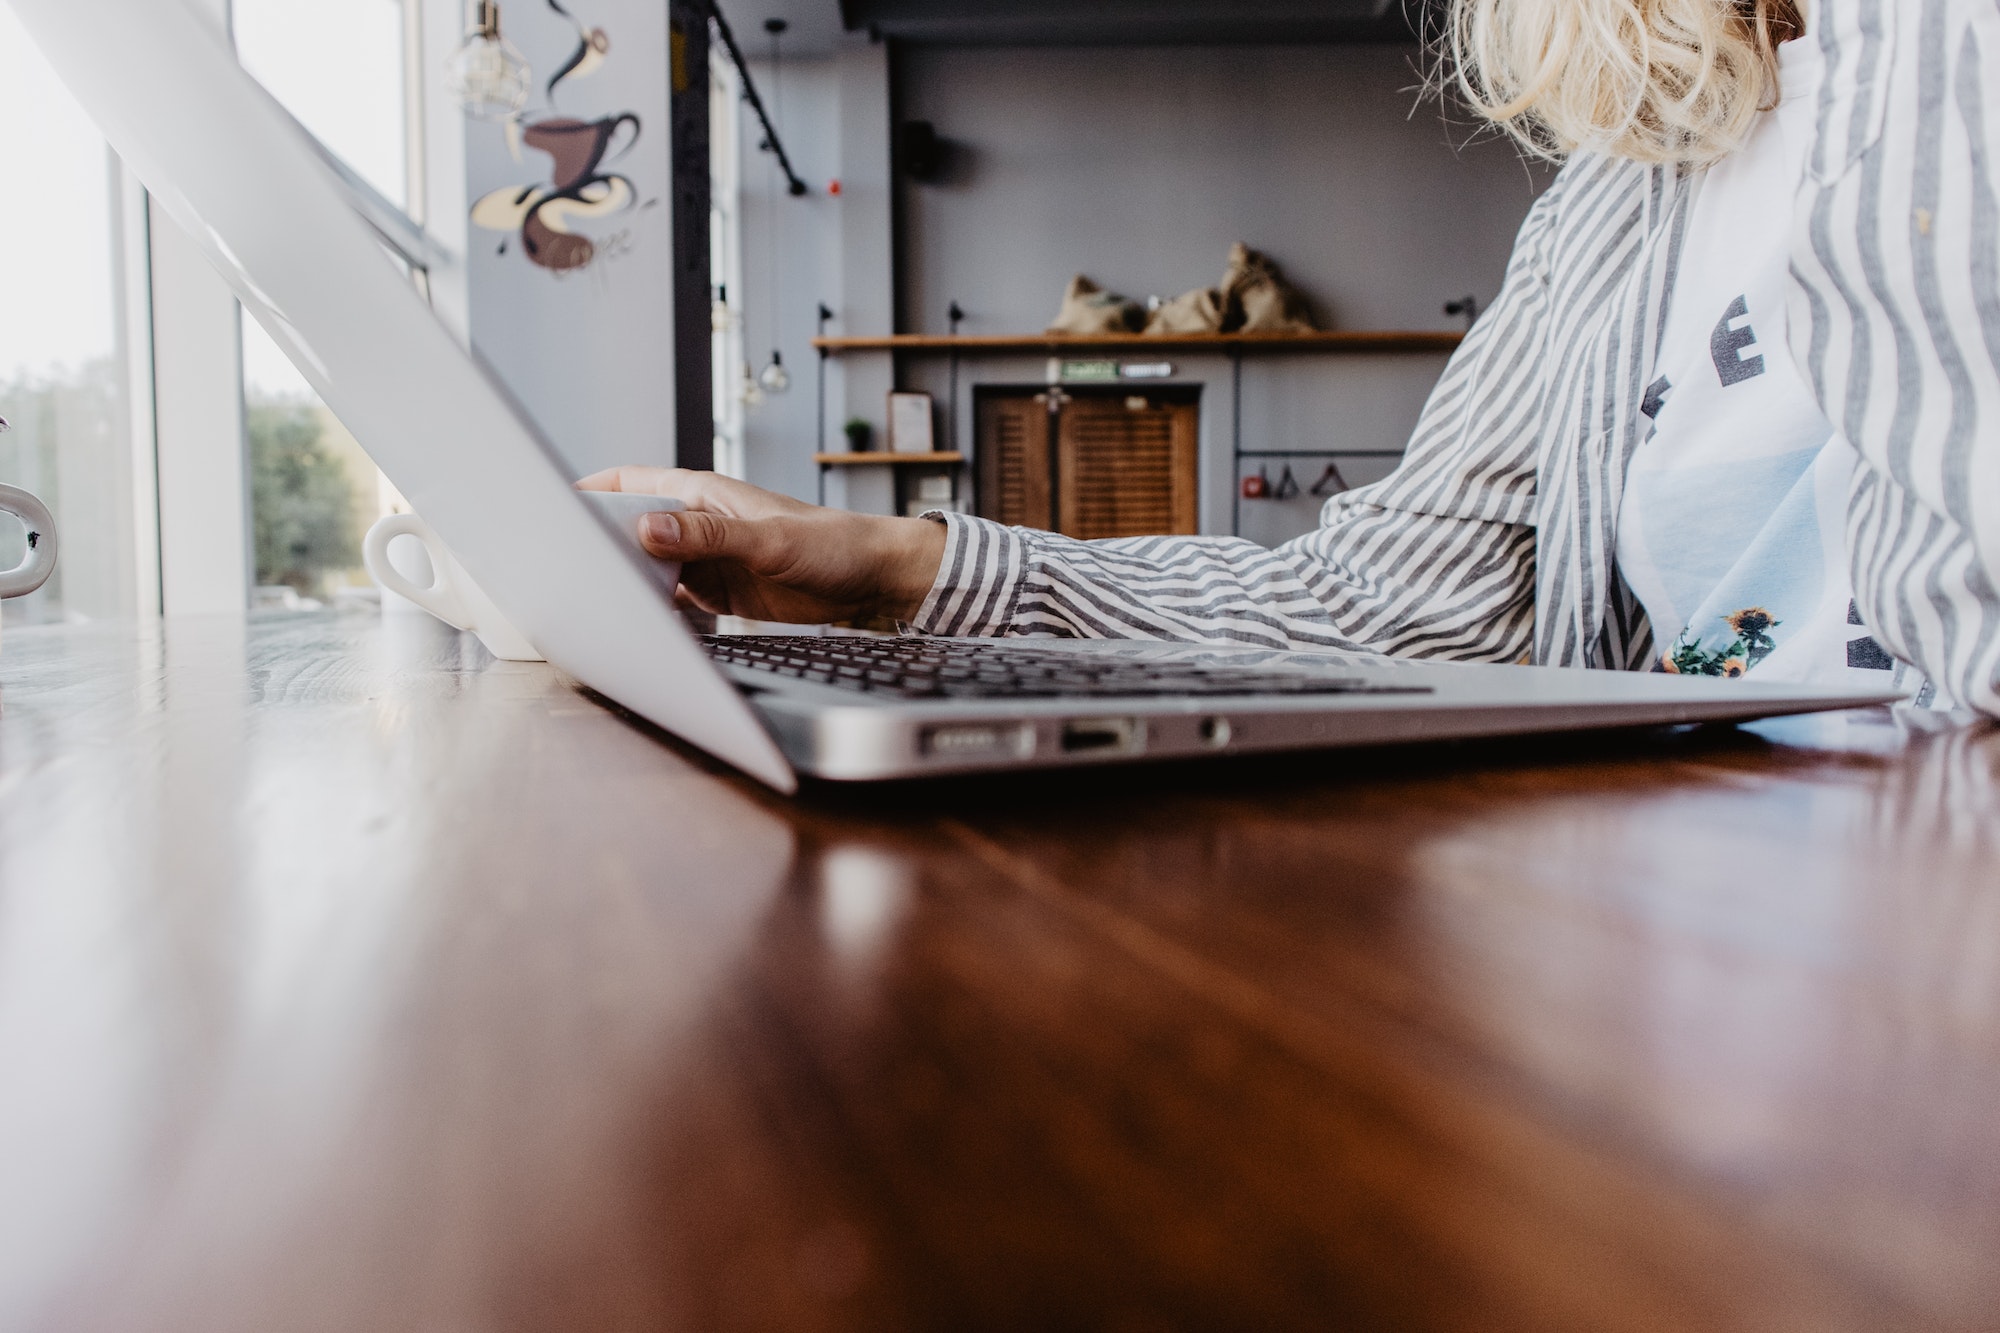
695,535
631,479
699,490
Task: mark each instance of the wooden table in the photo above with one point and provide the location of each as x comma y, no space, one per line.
350,980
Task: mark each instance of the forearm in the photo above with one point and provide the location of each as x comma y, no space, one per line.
909,553
1373,580
1015,581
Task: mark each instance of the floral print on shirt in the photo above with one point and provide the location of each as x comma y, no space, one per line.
1752,644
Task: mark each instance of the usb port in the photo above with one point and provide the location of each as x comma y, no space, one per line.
1102,735
980,740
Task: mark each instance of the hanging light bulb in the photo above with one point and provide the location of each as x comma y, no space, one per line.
775,378
489,77
751,395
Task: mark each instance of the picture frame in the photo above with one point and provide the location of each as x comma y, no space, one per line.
912,424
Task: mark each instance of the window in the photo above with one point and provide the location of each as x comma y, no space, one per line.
313,490
343,71
63,380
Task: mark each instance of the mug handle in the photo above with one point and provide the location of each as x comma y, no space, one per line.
440,599
41,561
620,123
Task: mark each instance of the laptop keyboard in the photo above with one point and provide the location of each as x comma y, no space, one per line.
927,668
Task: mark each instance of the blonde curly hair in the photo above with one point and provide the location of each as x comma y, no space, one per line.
1676,81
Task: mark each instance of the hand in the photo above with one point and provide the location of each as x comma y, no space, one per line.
748,552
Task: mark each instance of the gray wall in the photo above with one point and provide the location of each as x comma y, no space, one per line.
1139,167
802,236
826,249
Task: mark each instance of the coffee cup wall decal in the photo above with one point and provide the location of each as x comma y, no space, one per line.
593,46
544,215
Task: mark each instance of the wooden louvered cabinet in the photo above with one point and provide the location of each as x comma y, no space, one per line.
1014,458
1090,464
1125,467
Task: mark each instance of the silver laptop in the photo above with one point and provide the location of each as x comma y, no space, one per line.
231,166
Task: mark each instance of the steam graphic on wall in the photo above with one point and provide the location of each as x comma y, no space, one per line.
544,215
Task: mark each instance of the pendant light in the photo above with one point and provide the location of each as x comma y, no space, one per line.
488,76
774,378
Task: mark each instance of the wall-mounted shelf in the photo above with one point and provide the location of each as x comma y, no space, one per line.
1235,346
883,458
1342,340
873,458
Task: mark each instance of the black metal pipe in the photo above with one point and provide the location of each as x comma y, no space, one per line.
771,140
693,294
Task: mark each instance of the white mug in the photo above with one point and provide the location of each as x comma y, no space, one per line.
455,599
41,525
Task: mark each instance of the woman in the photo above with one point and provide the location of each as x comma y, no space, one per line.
1736,409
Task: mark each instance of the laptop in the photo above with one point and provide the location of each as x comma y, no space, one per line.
294,242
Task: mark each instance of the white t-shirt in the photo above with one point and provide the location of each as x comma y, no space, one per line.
1731,530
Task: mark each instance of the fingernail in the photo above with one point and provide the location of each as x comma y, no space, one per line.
660,527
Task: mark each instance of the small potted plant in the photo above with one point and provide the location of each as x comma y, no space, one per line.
860,435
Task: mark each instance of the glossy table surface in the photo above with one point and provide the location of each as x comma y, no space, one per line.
352,980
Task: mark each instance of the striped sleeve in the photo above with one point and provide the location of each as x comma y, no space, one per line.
1896,310
1435,561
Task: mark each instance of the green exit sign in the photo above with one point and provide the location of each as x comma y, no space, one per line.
1089,372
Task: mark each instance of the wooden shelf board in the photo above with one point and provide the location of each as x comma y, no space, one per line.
881,457
1341,340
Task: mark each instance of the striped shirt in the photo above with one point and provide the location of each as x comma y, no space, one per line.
1495,539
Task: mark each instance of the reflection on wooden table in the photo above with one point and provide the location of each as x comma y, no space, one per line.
349,979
